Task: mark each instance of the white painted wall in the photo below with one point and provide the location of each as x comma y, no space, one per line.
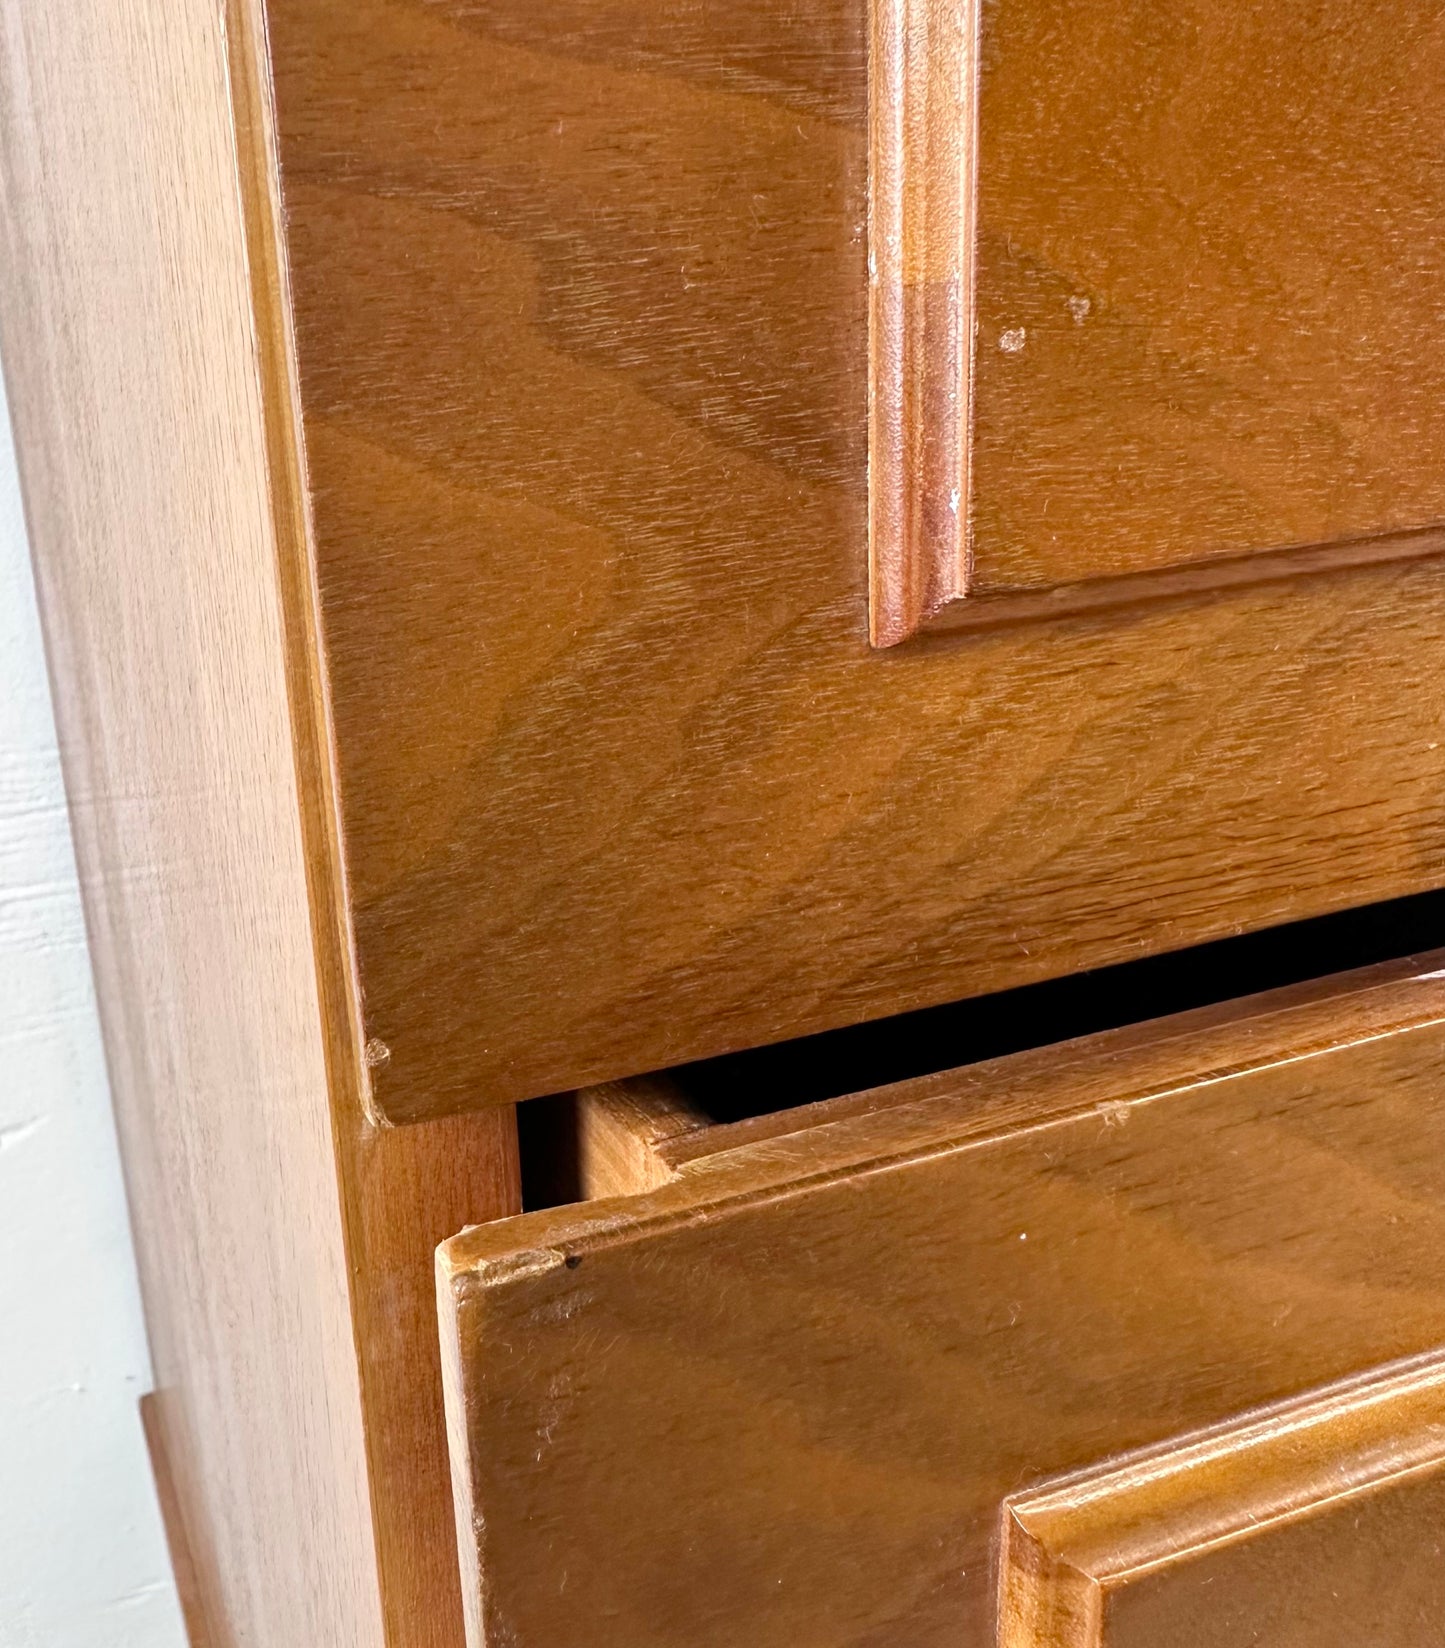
82,1557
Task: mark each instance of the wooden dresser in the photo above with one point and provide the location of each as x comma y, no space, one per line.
805,636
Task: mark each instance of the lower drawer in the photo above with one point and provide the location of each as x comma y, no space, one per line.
1123,1341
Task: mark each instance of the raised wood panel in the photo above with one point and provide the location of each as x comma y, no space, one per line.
1314,1524
581,305
783,1397
1151,312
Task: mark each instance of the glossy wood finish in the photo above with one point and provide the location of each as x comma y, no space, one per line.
284,1241
1315,1522
450,512
923,170
785,1396
1149,314
581,306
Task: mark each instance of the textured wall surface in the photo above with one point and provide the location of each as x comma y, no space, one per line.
82,1558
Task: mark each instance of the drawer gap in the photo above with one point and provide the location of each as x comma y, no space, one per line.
572,1151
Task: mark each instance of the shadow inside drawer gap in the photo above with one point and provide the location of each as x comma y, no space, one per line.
761,1080
860,1056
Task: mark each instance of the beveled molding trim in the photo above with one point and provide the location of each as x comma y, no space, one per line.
1068,1545
923,176
965,608
922,195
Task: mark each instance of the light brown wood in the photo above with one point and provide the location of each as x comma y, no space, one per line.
284,1241
623,1132
178,1541
581,307
1189,345
451,517
401,1192
128,357
405,1190
785,1396
1314,1522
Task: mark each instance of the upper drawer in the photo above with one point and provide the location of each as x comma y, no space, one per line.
581,304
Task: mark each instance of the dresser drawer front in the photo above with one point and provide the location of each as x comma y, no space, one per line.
581,305
790,1395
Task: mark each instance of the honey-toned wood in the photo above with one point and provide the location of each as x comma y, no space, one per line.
785,1396
284,1241
581,305
1314,1522
1185,251
402,1192
623,1132
922,200
405,1190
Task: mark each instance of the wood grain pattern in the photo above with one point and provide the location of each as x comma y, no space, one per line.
785,1396
624,1131
1188,250
1313,1522
178,1540
405,1190
401,1192
923,195
1297,1021
581,306
284,1242
128,358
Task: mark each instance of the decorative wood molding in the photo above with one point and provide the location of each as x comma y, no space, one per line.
970,608
601,399
1080,1554
923,159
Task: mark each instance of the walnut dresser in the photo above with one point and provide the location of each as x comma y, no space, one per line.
753,696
